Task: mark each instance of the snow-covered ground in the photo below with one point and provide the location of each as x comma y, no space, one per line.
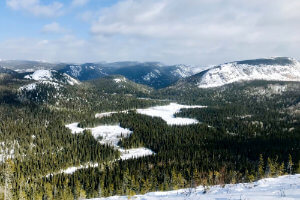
167,113
283,188
111,135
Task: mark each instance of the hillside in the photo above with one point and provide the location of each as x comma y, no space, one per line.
111,136
269,69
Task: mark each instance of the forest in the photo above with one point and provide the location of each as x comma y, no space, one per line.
242,136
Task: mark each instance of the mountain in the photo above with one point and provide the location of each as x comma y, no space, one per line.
52,76
29,66
7,71
50,79
120,85
268,69
85,72
152,74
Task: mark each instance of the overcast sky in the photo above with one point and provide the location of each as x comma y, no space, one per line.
198,32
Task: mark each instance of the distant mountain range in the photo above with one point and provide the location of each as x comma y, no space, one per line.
157,75
152,74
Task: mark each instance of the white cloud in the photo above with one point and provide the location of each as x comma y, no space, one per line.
36,8
53,27
203,31
199,32
76,3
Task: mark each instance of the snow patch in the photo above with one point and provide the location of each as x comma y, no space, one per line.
118,80
135,153
167,113
40,75
111,135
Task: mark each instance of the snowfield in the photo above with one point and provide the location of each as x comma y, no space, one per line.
167,113
283,188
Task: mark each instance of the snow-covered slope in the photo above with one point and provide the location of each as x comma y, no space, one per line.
284,187
53,76
271,69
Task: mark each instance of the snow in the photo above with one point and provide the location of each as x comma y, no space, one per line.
28,87
40,75
283,188
118,80
74,128
32,86
111,135
75,70
150,75
48,75
135,153
234,72
106,114
167,113
183,71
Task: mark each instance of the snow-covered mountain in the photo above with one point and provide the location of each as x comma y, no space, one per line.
284,187
153,74
270,69
51,76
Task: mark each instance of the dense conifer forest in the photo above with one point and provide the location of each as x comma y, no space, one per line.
243,135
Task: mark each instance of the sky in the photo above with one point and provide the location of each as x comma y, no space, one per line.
196,32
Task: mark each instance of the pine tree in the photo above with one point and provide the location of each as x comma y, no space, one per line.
290,165
261,171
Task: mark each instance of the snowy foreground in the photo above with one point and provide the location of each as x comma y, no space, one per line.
167,113
284,188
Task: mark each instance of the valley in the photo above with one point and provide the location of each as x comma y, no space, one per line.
62,138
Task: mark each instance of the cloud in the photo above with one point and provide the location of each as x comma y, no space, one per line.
53,27
200,32
36,8
76,3
203,31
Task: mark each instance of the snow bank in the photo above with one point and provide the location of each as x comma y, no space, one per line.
284,187
167,113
